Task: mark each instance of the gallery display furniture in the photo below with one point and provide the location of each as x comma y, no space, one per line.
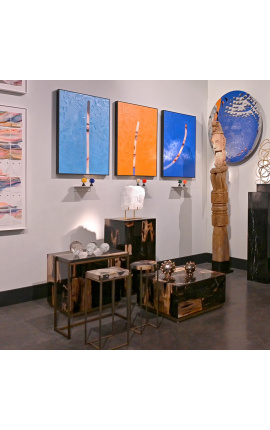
136,236
145,268
101,276
68,273
259,234
184,298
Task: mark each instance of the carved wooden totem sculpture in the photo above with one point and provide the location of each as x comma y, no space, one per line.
219,200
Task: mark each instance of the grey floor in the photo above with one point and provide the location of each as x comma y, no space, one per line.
242,323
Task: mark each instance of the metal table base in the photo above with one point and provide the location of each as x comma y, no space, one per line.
112,314
143,289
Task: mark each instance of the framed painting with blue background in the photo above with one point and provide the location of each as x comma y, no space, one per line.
178,139
83,134
241,121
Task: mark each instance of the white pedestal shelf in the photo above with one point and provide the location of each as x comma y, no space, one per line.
81,189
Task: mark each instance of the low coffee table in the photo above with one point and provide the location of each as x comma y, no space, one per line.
181,299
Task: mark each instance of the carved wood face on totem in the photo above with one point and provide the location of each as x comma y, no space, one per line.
218,173
219,144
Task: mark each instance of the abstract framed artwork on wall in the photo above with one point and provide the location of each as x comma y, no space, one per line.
14,86
240,119
178,141
136,140
83,134
12,167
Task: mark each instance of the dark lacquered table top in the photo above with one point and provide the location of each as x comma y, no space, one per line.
69,257
180,276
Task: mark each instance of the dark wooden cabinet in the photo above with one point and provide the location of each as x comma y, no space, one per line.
136,236
259,234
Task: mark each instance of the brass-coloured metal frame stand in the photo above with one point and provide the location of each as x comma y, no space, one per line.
139,329
134,213
111,314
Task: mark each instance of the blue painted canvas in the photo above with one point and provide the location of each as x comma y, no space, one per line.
178,144
83,134
241,121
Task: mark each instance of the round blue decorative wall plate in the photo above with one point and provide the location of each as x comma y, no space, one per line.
241,122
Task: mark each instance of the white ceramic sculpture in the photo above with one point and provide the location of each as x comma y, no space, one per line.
90,248
104,247
98,252
132,198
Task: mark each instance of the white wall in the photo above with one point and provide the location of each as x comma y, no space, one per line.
56,215
241,178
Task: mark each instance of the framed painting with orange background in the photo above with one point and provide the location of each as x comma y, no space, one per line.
136,140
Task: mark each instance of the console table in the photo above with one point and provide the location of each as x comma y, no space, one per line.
181,299
62,268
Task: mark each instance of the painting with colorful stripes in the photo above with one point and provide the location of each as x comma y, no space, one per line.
136,140
178,140
12,167
83,134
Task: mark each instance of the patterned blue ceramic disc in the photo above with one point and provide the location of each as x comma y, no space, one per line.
241,122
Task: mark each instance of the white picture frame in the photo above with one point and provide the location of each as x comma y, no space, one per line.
15,86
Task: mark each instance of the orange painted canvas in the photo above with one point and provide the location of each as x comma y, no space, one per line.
136,140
